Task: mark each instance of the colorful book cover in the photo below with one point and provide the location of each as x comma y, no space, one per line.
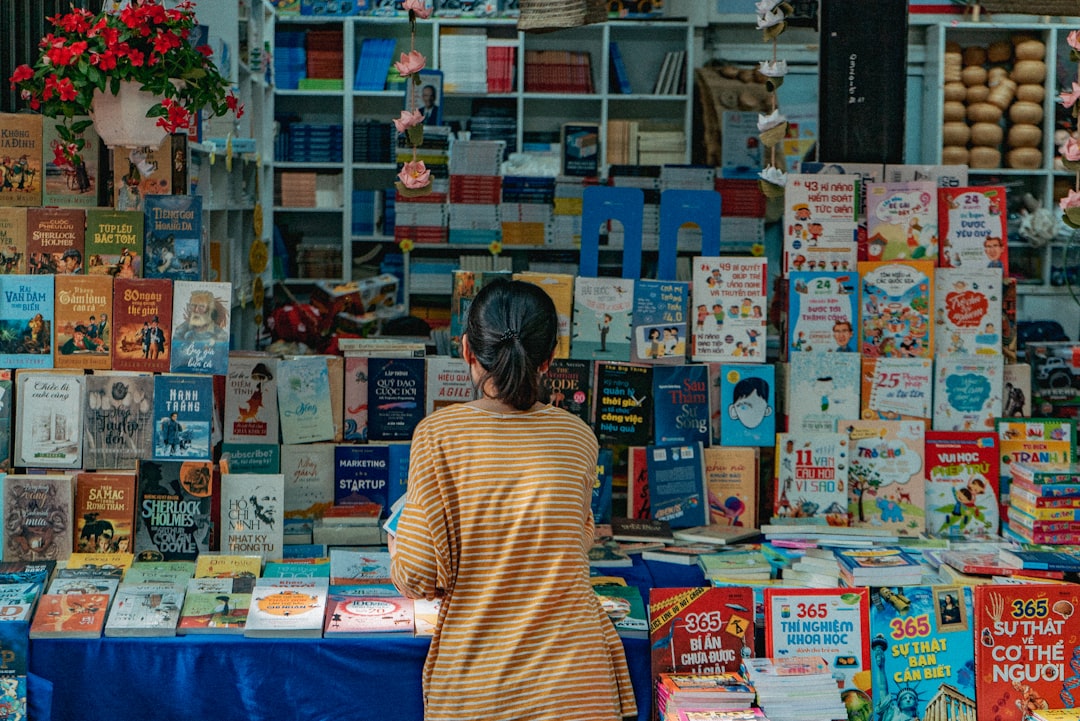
603,308
1024,638
731,325
71,615
251,457
448,381
967,317
142,324
823,389
229,565
810,478
677,492
896,300
820,222
38,522
119,420
252,505
396,396
308,469
400,454
568,385
139,173
1032,440
897,388
23,148
303,388
731,482
886,481
967,392
658,323
114,242
251,406
922,651
748,405
173,237
81,312
680,645
352,566
962,484
49,421
361,474
287,607
354,397
622,403
603,487
214,605
833,623
466,284
55,238
200,329
145,609
12,240
560,288
360,616
1016,392
902,221
823,312
681,404
173,520
26,321
974,228
183,414
104,512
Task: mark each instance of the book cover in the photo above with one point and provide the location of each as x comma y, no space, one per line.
172,226
568,385
823,311
183,413
293,607
677,492
603,488
49,420
637,483
12,240
354,398
988,560
173,519
466,284
974,228
967,317
641,530
303,389
251,407
17,602
104,512
38,572
395,397
1032,440
811,475
922,650
23,148
70,615
603,310
967,392
748,405
897,388
214,605
823,389
626,609
622,402
731,482
114,242
139,173
877,565
160,571
26,321
81,313
252,505
886,481
309,470
55,238
351,566
896,300
560,288
902,221
361,474
1016,391
962,483
38,522
230,565
680,644
7,405
251,457
448,381
581,149
681,404
658,323
360,616
731,326
200,329
820,222
119,420
142,323
145,609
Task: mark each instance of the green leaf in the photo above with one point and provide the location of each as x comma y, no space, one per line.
415,135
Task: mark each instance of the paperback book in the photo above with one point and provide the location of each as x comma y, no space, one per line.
967,319
811,478
173,245
83,332
731,481
174,520
677,492
360,616
827,391
104,512
201,325
568,385
304,404
119,420
748,404
38,517
145,609
729,305
967,392
183,415
114,243
897,388
70,615
24,146
560,288
679,646
12,240
820,222
142,324
681,404
962,484
602,315
902,221
658,323
396,397
55,239
287,607
361,474
623,402
1032,440
897,299
448,381
886,480
251,399
308,470
49,421
823,311
215,605
26,321
973,223
252,505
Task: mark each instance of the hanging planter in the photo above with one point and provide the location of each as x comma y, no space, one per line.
120,120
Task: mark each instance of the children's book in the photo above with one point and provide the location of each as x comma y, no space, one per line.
104,512
678,644
354,398
173,237
967,392
902,221
200,329
49,421
681,404
141,172
568,385
677,492
886,480
24,149
12,240
747,405
897,299
38,523
810,478
731,481
823,312
729,309
360,616
214,605
560,288
658,324
55,238
897,388
145,609
820,222
623,402
119,420
183,413
309,470
251,399
974,228
303,389
361,474
83,332
962,483
1032,440
252,506
602,314
396,397
824,388
349,566
26,321
878,565
142,324
174,516
292,607
967,318
114,243
230,565
448,381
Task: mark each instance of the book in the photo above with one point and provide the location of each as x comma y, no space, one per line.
731,327
448,380
897,388
114,243
680,647
26,321
251,399
962,484
251,510
361,474
973,222
142,323
297,568
637,483
641,529
626,609
200,329
580,144
823,311
560,288
215,605
350,567
681,404
986,560
308,470
824,389
140,173
622,402
683,555
12,240
112,563
902,221
70,615
7,407
82,329
304,403
17,603
49,420
118,419
1042,475
1039,440
396,397
173,518
731,482
677,492
658,323
811,477
145,609
679,695
229,565
620,79
897,300
568,385
820,223
1040,560
603,488
1016,392
886,481
160,572
748,404
466,284
603,310
741,564
360,616
104,512
173,244
287,607
24,148
967,317
55,238
39,572
967,392
878,566
251,457
183,414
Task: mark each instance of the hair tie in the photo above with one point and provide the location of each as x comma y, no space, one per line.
509,334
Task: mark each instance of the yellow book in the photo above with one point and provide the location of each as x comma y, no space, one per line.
101,560
227,565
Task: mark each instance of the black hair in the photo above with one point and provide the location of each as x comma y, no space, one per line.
512,328
749,386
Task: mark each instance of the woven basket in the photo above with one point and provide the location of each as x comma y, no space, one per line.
539,16
1033,7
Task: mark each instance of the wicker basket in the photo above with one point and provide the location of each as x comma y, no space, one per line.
1068,8
540,16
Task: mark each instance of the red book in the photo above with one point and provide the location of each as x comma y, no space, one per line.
684,642
988,563
55,240
972,222
104,512
142,319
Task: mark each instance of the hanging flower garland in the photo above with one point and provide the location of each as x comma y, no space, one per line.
414,179
773,126
1070,149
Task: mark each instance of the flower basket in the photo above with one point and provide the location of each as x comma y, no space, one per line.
120,120
549,15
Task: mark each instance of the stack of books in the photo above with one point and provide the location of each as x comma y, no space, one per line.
816,568
376,55
566,72
500,65
315,142
475,190
290,61
685,692
324,53
1044,503
879,566
373,141
463,54
795,688
525,210
646,177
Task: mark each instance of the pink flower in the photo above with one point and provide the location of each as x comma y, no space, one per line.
1069,97
410,63
408,119
1072,200
1074,40
415,174
1070,149
418,7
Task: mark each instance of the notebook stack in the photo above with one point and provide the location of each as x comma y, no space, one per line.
796,688
677,692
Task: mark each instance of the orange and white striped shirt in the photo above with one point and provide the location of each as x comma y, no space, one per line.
498,521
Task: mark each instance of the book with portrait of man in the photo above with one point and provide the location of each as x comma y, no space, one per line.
55,238
142,324
200,328
82,307
174,515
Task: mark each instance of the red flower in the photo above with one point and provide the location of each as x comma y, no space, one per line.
23,72
104,61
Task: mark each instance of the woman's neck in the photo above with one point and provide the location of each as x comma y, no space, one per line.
494,405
